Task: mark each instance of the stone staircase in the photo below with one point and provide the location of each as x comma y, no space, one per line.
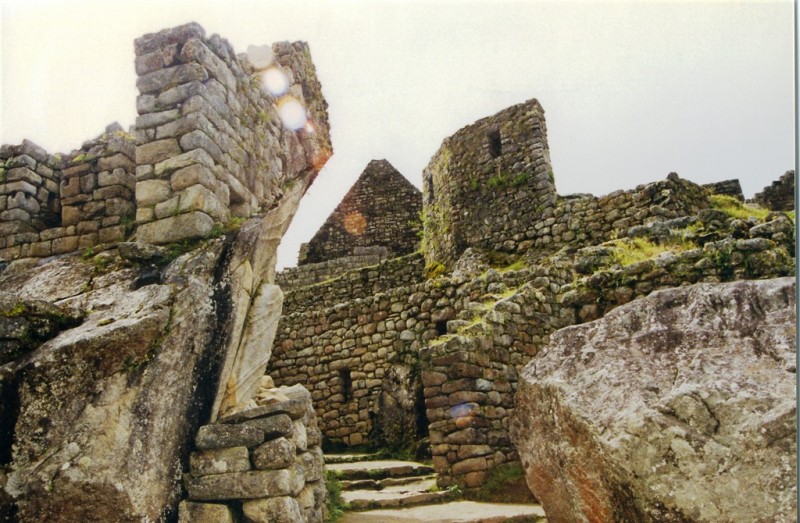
394,491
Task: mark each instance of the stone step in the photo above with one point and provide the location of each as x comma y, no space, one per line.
419,493
350,458
379,470
453,512
372,484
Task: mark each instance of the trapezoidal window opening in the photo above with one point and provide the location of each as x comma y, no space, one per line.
347,384
495,143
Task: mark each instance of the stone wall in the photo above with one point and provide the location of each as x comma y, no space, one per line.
727,187
359,283
381,209
264,464
460,341
313,273
211,142
55,204
500,196
779,196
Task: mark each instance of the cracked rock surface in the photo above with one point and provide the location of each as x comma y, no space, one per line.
676,407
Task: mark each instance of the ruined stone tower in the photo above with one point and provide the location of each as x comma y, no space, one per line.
488,184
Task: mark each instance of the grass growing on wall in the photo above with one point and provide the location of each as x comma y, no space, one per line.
736,209
630,251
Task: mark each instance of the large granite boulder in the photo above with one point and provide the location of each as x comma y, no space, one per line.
676,407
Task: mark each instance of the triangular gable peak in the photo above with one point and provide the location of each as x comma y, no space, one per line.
380,210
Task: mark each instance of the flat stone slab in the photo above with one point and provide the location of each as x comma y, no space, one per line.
379,469
454,512
348,458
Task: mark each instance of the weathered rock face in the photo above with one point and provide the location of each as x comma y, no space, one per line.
677,407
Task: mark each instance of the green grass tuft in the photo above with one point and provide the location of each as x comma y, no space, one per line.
736,209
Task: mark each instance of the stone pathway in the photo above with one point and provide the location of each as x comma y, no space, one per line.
393,491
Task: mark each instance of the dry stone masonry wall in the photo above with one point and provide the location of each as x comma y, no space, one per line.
779,196
209,144
59,204
381,210
264,464
727,187
389,360
312,273
210,140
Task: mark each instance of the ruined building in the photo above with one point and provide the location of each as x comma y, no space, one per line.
384,349
139,312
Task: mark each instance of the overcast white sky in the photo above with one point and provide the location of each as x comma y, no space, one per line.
631,90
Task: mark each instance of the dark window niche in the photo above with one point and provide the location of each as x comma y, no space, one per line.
495,143
347,384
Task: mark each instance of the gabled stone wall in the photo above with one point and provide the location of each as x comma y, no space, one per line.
381,210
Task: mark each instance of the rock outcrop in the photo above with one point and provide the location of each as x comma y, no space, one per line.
677,407
98,418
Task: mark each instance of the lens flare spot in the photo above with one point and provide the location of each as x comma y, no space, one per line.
292,113
275,81
261,56
355,223
462,411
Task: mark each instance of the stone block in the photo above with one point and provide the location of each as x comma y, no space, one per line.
220,436
87,240
88,183
22,160
145,214
295,408
152,192
155,119
70,187
253,484
219,461
312,463
193,175
170,77
24,174
469,465
198,198
50,234
41,249
273,426
22,201
113,191
193,512
112,234
158,151
119,160
282,509
300,437
118,176
176,228
276,454
183,160
199,140
119,206
88,226
158,59
65,244
15,215
144,172
18,186
167,208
